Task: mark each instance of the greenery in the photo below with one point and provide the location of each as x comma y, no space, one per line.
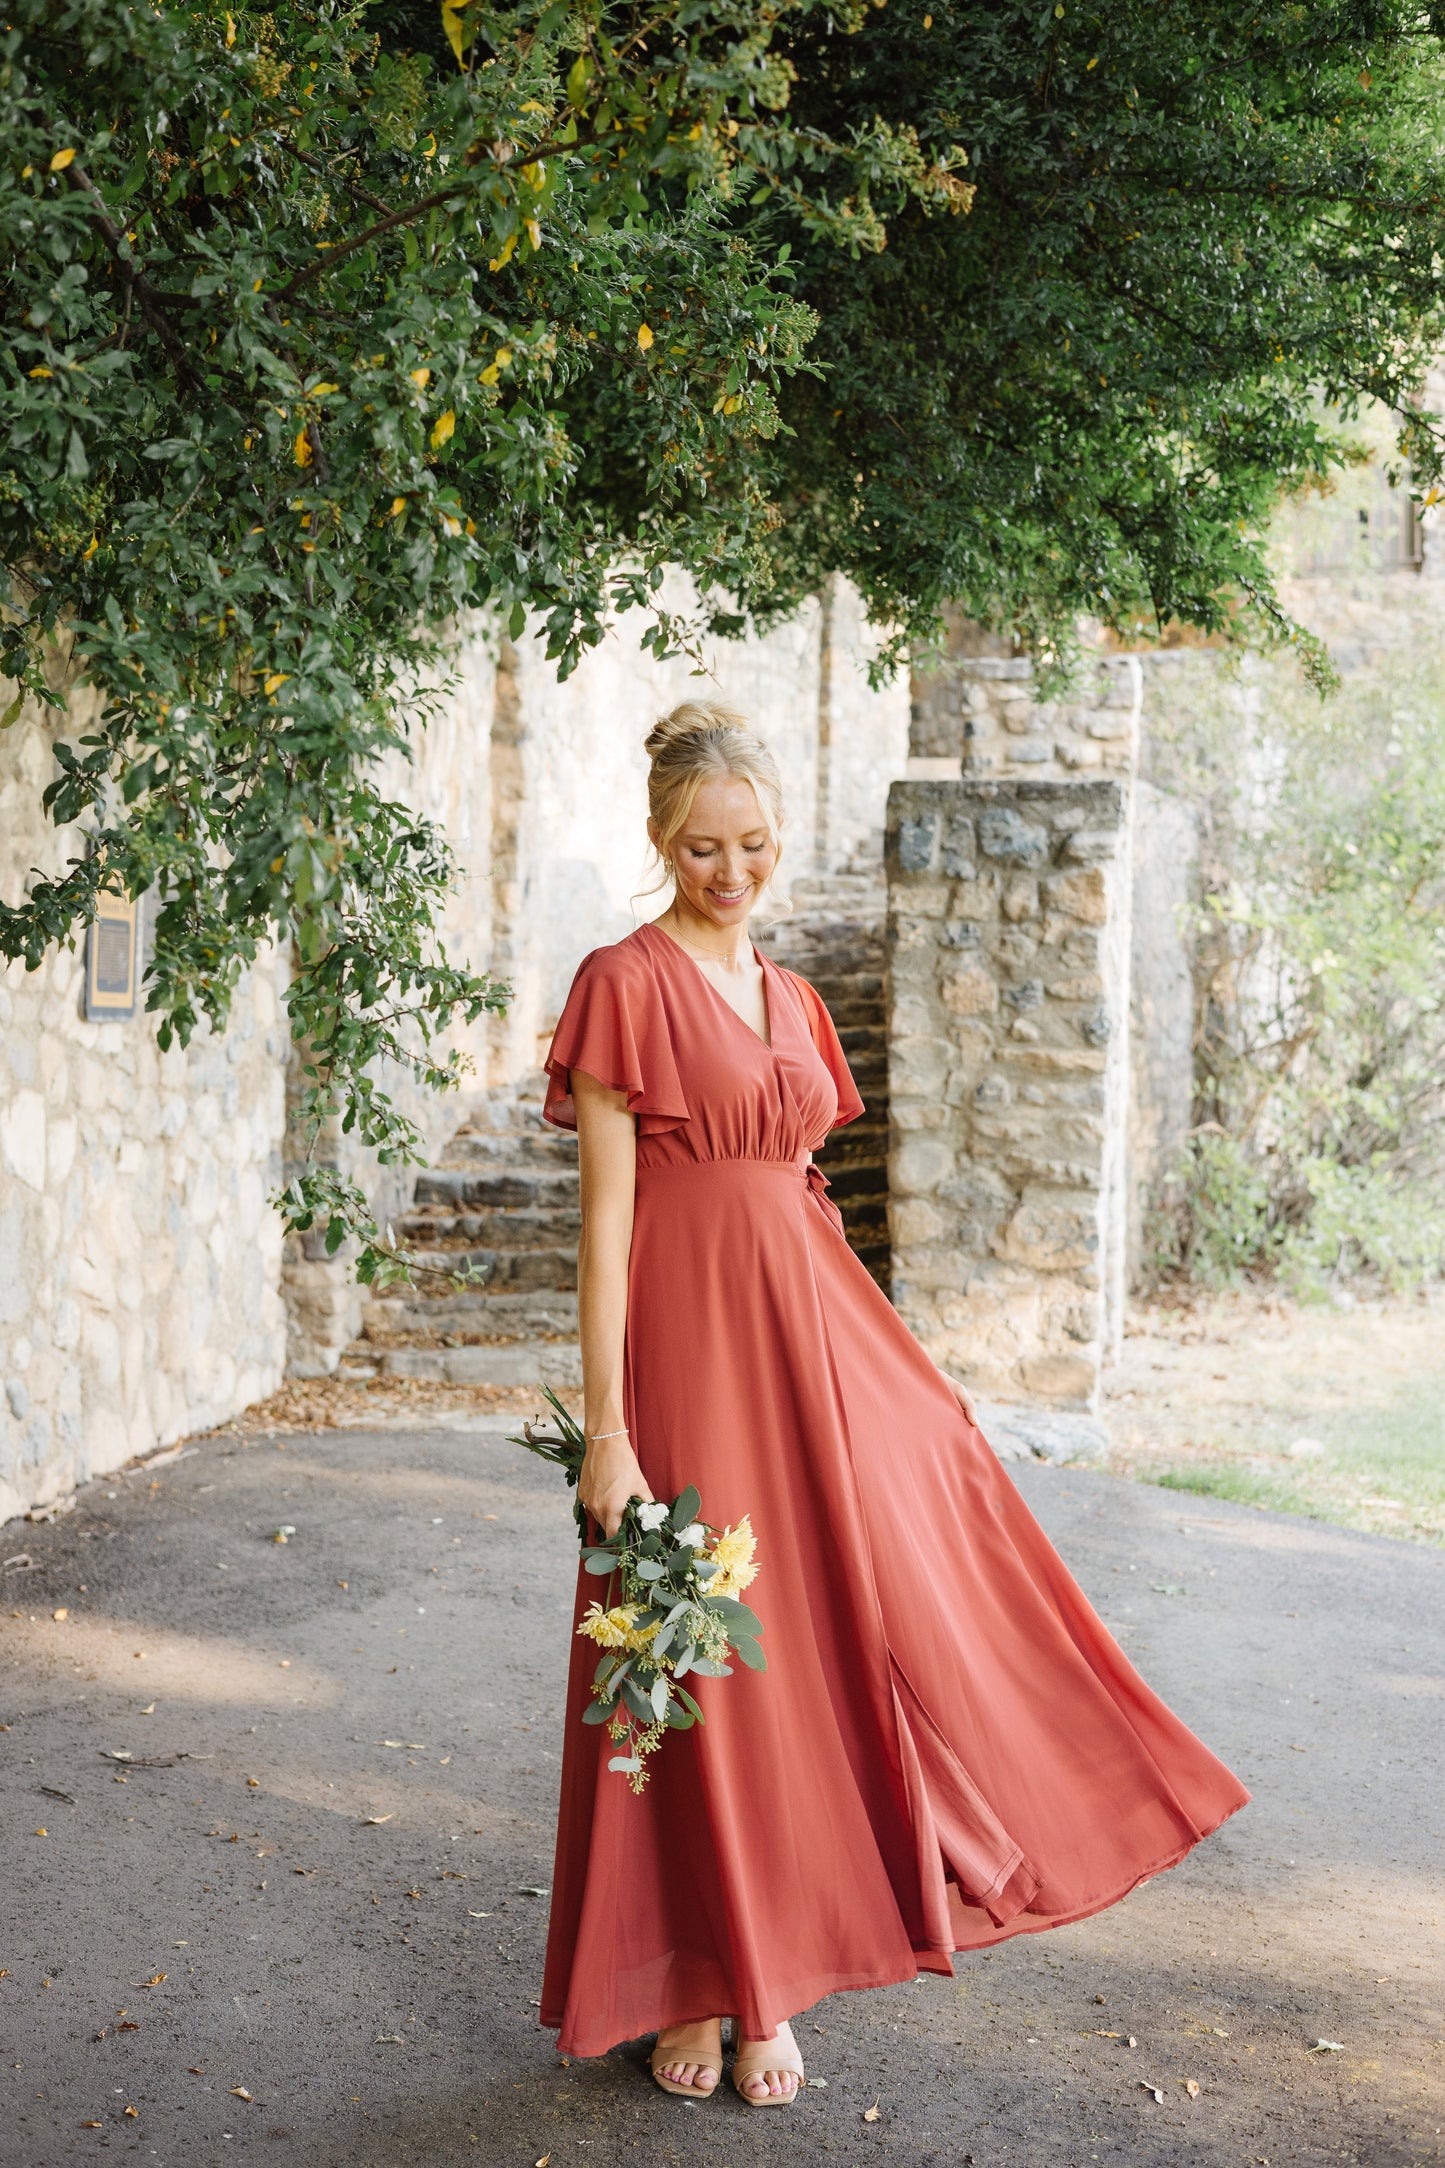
326,323
672,1585
1319,1142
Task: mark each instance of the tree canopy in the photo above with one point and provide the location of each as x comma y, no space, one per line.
325,323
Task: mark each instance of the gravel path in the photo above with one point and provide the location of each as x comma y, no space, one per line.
303,1922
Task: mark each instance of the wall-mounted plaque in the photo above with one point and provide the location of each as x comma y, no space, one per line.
112,958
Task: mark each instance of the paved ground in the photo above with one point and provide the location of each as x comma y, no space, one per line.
304,1922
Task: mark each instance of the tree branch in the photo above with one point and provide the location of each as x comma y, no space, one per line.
135,278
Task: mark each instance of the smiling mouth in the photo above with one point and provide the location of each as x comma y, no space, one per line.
728,895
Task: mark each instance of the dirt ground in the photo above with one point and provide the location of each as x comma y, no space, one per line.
277,1825
1336,1410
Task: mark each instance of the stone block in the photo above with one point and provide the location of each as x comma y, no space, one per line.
1050,1236
1004,835
968,990
1083,895
1067,1378
1020,898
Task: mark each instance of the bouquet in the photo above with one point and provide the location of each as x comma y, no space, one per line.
673,1583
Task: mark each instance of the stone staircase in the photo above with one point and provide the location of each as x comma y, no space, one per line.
835,939
502,1199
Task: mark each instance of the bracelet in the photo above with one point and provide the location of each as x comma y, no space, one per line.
595,1437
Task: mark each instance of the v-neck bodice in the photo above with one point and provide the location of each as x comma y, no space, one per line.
766,1039
644,1020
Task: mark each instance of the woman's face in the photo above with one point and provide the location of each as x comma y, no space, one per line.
723,856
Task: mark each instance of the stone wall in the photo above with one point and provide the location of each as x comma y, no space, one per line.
1008,917
139,1257
979,715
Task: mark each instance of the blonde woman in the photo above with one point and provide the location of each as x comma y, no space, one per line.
946,1747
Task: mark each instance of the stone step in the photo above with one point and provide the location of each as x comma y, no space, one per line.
472,1314
510,1149
525,1363
522,1229
498,1188
506,1271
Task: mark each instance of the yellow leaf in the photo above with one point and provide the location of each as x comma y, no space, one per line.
452,25
301,449
694,131
275,681
490,374
534,232
61,160
90,551
41,370
443,428
421,378
644,336
471,526
453,526
230,30
320,391
504,357
499,262
870,2115
398,506
255,286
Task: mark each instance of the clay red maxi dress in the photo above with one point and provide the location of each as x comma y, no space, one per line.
946,1747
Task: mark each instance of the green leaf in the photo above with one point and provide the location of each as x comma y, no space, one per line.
750,1653
597,1712
685,1508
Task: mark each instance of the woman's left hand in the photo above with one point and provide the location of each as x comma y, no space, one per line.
964,1398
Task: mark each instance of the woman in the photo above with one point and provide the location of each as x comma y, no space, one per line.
946,1747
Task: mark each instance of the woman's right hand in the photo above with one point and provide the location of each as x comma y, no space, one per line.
610,1477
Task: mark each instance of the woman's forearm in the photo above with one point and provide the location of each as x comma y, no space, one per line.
602,1256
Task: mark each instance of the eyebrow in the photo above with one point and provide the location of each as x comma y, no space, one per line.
760,830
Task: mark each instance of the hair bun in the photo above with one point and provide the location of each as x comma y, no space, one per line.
691,719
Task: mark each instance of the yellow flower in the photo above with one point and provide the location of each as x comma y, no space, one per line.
609,1629
733,1551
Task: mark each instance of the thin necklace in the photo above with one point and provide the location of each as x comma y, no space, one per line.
707,955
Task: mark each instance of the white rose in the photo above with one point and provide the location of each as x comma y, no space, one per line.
695,1535
651,1516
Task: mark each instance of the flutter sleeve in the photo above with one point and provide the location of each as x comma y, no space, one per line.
614,1027
830,1052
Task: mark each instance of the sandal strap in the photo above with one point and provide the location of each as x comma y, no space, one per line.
761,2055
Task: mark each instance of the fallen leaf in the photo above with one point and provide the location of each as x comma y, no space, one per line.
1298,1749
542,2163
1131,2042
1191,2087
154,1981
1098,2035
135,2112
148,1710
870,2115
1156,2092
526,1890
1325,2047
195,2070
413,1893
239,2092
479,1915
390,2040
128,2025
61,1613
1101,1998
374,1821
1168,1588
42,1832
92,2126
819,2085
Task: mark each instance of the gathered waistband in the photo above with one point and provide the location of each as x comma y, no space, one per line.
802,1171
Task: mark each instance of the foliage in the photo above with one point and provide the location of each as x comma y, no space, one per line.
672,1587
1319,1147
1189,225
330,322
288,315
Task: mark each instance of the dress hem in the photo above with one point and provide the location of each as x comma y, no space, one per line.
1020,1924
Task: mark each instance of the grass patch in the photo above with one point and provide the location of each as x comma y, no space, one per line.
1381,1467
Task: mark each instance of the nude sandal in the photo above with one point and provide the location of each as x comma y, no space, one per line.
670,2085
761,2055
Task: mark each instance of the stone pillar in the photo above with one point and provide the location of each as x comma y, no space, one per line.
1008,960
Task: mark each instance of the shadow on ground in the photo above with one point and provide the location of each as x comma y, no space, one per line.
302,1921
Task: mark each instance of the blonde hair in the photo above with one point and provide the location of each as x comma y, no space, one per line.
704,741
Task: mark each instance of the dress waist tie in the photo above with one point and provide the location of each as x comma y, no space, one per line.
818,1186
